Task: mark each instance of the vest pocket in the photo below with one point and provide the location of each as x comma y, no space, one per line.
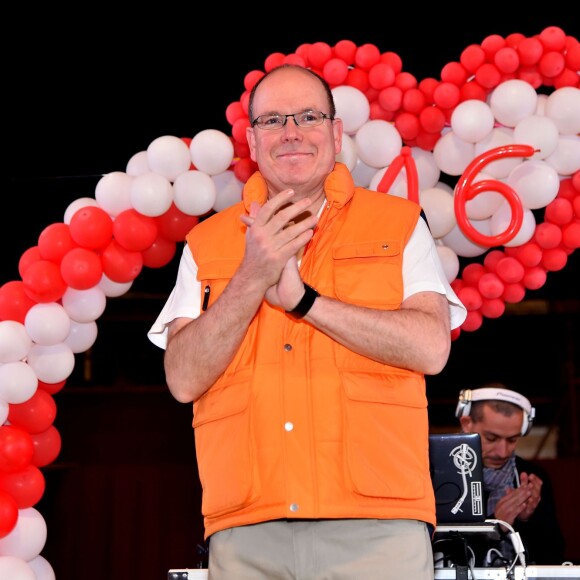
224,448
214,277
386,434
369,273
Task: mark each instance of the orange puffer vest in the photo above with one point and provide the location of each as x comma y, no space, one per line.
299,426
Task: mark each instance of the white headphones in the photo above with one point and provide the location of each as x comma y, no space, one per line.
466,396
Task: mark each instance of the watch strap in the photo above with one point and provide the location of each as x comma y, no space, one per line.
305,304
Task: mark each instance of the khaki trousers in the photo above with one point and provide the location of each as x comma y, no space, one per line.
356,549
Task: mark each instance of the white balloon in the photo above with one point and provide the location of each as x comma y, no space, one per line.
438,207
461,244
378,143
449,261
348,154
512,101
229,189
500,220
563,107
12,568
539,132
27,538
566,157
536,183
4,410
484,204
499,137
138,164
77,204
211,151
352,106
363,173
112,288
398,187
82,336
113,192
42,568
194,193
84,305
14,341
169,156
541,106
428,173
452,155
472,120
444,186
151,194
18,382
47,323
52,364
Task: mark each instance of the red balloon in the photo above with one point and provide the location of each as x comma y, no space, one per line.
81,268
554,259
159,254
16,448
466,190
490,285
51,388
404,158
473,321
470,297
25,486
493,308
8,513
43,282
14,302
134,231
28,257
510,270
121,265
47,445
547,235
534,278
514,293
174,224
472,273
55,241
571,235
91,227
35,415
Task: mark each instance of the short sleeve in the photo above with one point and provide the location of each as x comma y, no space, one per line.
423,272
183,302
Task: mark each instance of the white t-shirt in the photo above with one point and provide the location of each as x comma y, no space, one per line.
422,271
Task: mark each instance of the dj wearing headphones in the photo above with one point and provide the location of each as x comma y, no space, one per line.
516,491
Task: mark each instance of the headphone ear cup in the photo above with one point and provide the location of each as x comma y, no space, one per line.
526,423
463,408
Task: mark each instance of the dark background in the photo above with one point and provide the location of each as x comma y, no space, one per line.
82,95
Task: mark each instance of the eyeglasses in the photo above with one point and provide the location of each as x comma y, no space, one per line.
303,119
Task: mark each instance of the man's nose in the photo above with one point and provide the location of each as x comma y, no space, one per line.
501,448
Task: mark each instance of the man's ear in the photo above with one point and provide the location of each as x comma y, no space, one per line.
466,424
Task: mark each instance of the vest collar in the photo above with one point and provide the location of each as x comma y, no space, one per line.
338,188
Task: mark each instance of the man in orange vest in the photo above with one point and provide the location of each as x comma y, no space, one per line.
301,326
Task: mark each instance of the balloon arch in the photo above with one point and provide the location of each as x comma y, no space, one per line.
491,151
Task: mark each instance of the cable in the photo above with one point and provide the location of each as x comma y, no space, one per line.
516,543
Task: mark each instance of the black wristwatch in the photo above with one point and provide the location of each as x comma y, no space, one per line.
305,304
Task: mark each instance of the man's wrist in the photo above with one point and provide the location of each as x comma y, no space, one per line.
305,304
